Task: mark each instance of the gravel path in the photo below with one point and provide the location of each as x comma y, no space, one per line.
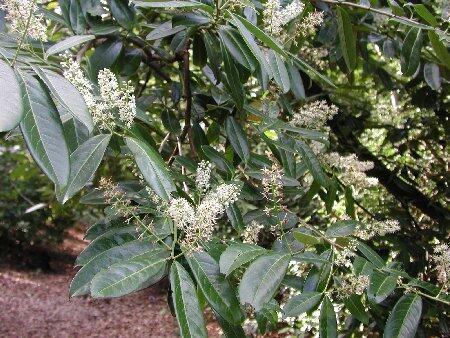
36,304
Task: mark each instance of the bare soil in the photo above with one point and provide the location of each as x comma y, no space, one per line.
36,304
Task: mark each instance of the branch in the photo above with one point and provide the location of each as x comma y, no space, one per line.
404,192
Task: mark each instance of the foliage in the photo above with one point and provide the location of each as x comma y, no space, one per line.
290,159
29,213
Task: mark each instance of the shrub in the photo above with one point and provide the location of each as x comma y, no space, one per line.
289,160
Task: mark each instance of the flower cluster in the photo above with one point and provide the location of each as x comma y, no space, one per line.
276,17
203,175
441,258
314,115
23,18
272,184
112,96
198,223
314,56
352,170
343,257
119,97
309,23
352,285
251,232
377,228
114,196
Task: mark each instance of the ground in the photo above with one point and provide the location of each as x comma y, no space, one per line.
36,304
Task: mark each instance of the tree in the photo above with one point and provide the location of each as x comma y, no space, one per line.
259,136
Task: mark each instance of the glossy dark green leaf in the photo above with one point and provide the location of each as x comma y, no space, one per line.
131,274
346,38
215,287
327,320
237,138
220,161
76,16
306,237
425,14
356,308
170,121
80,284
362,266
185,302
237,48
262,279
122,12
235,217
279,71
319,275
237,255
404,318
304,302
152,167
67,96
381,286
84,162
67,43
410,54
42,130
370,254
297,87
111,238
439,48
164,30
312,163
341,228
11,109
232,80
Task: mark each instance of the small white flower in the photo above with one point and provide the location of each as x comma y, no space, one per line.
203,175
275,16
251,232
442,259
314,115
18,13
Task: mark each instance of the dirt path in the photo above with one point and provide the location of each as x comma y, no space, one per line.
36,304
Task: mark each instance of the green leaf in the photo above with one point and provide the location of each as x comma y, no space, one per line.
362,266
404,318
152,167
305,237
67,43
346,38
170,121
279,71
122,12
108,240
301,303
164,30
432,75
237,47
425,14
185,302
296,81
220,161
371,255
327,320
11,110
131,275
173,4
250,41
67,95
43,131
356,308
237,138
215,287
410,54
341,228
232,80
319,275
80,284
312,163
381,286
237,255
439,48
262,279
84,162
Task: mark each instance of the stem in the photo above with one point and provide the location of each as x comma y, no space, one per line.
151,232
24,33
380,11
427,296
